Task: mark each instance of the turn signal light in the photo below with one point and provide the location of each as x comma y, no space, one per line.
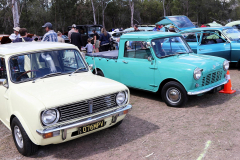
125,112
48,135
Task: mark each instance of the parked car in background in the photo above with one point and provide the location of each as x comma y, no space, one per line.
234,24
49,95
140,28
161,62
66,39
86,31
216,41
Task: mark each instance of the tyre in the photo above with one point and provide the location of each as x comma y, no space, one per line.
24,145
117,124
100,73
174,94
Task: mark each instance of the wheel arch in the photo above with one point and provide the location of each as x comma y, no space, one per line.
98,69
166,81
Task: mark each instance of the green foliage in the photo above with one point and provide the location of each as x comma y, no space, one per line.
63,13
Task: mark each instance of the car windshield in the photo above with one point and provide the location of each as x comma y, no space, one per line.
182,22
31,66
97,29
232,34
165,47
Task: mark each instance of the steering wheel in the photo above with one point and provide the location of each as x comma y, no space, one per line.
26,73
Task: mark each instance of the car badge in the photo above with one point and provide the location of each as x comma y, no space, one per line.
90,104
214,67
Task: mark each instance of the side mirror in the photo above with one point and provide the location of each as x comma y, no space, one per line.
148,45
91,66
3,82
150,59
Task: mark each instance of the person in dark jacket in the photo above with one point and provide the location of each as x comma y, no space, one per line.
104,40
76,39
23,38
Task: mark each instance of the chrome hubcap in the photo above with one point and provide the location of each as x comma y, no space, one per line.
173,95
18,136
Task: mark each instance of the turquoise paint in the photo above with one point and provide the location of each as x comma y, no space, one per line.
148,75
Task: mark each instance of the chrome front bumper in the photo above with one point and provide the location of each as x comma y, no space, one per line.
207,90
63,128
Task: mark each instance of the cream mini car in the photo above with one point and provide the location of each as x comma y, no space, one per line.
48,95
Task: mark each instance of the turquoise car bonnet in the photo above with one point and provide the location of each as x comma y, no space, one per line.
180,22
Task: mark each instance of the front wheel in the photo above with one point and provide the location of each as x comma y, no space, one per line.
174,94
24,145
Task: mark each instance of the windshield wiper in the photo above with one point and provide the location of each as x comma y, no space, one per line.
46,76
76,70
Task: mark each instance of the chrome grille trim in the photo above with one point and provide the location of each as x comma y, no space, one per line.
212,78
79,109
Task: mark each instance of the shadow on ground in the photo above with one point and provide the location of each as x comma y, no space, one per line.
131,129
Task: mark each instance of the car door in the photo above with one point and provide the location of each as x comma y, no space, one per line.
213,44
136,70
3,93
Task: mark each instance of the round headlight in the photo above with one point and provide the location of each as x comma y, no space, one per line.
50,116
197,73
226,65
121,98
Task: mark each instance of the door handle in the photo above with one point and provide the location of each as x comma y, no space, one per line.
125,62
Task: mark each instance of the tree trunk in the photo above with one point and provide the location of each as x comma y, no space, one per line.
164,10
131,4
94,13
103,24
15,13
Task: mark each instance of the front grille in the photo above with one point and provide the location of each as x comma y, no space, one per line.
212,78
87,107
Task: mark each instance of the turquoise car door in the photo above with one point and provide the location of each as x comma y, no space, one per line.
135,69
213,44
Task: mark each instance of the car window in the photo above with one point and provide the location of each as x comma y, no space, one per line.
3,73
191,37
31,66
211,38
136,49
164,47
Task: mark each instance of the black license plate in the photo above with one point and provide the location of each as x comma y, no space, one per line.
91,127
219,88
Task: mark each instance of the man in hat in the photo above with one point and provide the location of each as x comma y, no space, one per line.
71,31
16,34
50,36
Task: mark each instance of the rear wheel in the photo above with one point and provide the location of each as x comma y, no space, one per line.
100,73
24,145
174,94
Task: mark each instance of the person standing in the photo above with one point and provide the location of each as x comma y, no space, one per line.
50,36
76,39
71,31
96,40
89,46
16,34
136,28
23,32
60,39
104,40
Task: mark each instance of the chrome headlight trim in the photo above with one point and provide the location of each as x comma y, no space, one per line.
55,118
225,65
122,98
197,73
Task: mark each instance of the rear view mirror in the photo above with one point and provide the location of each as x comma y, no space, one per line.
3,82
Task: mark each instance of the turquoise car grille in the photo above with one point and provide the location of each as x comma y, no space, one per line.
212,78
87,107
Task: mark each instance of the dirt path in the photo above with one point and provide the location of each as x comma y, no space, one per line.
153,130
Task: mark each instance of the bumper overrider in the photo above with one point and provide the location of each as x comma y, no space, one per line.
207,89
84,122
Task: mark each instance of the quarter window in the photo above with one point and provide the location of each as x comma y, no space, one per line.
3,73
211,38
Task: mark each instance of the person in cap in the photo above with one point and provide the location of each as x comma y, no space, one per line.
50,36
23,32
76,39
60,39
71,31
171,29
156,28
16,34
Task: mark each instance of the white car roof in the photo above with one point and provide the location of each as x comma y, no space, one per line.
24,47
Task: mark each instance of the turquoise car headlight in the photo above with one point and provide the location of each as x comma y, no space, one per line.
121,98
226,65
50,116
197,73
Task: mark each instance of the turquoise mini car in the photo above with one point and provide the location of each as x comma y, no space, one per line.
216,41
161,62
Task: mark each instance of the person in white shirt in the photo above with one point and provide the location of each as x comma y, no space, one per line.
16,34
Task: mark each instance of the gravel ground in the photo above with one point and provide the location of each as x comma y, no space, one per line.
153,130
